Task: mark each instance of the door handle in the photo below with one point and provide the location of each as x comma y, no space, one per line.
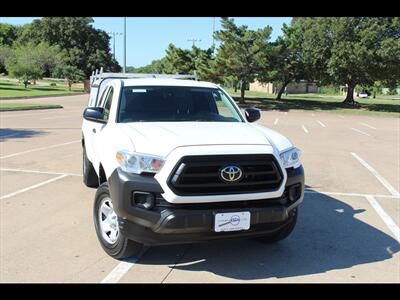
94,130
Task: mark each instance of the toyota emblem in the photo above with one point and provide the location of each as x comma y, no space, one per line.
231,173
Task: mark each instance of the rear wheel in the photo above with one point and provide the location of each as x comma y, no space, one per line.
106,224
89,174
283,232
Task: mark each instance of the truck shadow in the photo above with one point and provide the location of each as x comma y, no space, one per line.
10,133
328,236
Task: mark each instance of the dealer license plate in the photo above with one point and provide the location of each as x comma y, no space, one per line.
234,221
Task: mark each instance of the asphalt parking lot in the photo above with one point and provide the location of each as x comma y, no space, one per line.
347,231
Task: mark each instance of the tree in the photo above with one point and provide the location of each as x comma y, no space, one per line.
285,62
178,61
23,64
32,62
5,54
205,65
71,73
8,34
86,48
241,53
183,61
352,50
48,57
155,67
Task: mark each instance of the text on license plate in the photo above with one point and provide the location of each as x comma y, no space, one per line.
233,221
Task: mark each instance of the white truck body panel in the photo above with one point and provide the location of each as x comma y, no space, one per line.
173,140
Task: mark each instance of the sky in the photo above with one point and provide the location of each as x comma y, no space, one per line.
148,37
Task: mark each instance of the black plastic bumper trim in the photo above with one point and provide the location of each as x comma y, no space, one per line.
190,222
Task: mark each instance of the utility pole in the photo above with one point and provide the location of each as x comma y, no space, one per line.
194,41
114,34
124,69
213,44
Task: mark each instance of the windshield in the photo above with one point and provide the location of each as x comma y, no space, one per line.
174,104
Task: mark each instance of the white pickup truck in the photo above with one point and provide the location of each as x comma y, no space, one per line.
175,160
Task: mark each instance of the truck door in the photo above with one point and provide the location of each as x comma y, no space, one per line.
90,128
99,140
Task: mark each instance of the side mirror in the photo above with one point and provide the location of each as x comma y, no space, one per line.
94,114
252,114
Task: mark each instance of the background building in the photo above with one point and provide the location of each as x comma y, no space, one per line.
292,88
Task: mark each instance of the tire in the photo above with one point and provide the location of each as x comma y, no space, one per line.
283,232
120,247
90,178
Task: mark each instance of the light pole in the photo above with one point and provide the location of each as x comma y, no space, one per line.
213,32
114,34
194,41
124,69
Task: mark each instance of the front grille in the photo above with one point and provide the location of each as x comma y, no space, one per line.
200,175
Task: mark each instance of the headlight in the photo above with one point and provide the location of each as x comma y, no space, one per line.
139,163
291,158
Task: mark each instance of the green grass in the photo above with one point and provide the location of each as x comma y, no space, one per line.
23,106
382,105
10,89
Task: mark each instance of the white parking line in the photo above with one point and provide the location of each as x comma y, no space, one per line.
39,172
276,121
122,268
304,128
320,123
32,187
365,124
385,183
309,191
359,131
38,149
341,116
385,217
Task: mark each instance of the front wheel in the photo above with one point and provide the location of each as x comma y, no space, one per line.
283,232
107,229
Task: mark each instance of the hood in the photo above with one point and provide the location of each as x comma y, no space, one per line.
160,138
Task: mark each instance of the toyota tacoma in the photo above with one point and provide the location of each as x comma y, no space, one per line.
175,160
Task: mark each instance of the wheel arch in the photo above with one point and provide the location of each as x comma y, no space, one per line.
102,175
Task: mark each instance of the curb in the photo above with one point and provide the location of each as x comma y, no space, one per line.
29,108
45,96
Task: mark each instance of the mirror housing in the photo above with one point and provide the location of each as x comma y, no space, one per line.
94,114
252,114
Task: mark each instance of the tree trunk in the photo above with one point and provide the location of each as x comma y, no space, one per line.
282,89
69,85
350,94
242,91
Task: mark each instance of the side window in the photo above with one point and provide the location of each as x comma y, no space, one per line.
107,104
101,99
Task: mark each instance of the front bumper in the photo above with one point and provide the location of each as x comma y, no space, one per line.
167,223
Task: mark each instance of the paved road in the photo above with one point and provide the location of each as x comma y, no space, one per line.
348,227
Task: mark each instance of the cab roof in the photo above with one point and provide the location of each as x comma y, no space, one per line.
166,82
